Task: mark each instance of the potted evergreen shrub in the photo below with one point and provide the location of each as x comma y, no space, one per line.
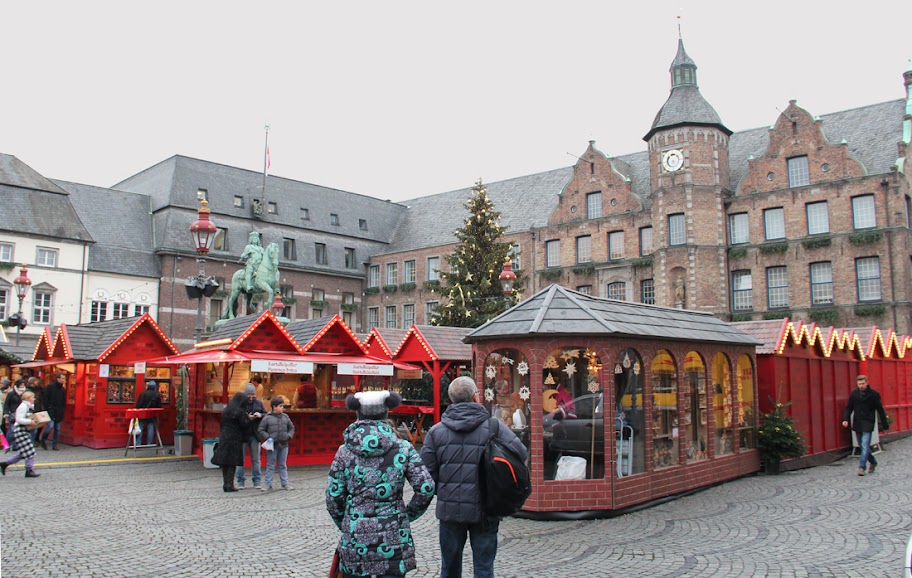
778,439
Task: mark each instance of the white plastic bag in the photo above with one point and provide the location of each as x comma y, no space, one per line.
135,429
571,468
268,445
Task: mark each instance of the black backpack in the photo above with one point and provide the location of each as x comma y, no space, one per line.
503,476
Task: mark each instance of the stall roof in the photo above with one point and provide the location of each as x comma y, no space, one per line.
776,334
326,335
384,341
556,310
768,333
95,341
430,342
257,331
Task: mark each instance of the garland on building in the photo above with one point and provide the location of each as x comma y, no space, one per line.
472,286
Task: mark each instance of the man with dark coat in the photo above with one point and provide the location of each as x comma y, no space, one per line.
10,405
866,405
55,405
149,398
452,452
254,410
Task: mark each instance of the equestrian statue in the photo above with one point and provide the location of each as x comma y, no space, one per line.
259,275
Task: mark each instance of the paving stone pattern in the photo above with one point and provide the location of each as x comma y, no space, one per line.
171,518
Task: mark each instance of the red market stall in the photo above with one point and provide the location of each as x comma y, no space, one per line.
619,403
889,369
102,379
439,351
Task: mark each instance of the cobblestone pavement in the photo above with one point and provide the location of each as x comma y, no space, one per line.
92,514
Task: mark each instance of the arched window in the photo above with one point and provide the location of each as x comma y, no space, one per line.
664,410
630,420
506,390
573,425
696,441
745,392
722,405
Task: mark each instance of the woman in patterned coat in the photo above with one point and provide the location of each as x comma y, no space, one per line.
364,491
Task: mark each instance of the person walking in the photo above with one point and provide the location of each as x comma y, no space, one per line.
278,427
255,411
55,405
865,403
10,404
150,398
364,491
230,451
6,386
25,449
452,452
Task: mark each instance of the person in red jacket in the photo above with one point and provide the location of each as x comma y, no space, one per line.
306,394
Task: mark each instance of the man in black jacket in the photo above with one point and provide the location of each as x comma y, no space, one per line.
55,404
149,398
255,410
866,405
452,452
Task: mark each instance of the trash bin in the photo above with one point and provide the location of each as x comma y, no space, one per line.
183,442
208,452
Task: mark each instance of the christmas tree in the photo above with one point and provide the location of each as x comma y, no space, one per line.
472,286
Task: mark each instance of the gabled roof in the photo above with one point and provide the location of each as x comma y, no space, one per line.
888,344
44,348
259,331
40,207
768,333
326,335
383,342
433,343
97,341
803,336
556,310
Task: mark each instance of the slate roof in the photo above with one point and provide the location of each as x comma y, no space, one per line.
40,207
447,342
306,329
523,202
392,337
233,328
174,182
766,332
121,226
556,310
685,106
90,340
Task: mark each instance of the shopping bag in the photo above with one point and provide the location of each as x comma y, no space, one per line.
268,445
135,430
334,570
3,441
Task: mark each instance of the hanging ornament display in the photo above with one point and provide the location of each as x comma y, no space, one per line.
550,363
522,368
626,362
506,360
636,368
570,368
490,372
524,393
593,386
618,369
489,394
570,353
549,380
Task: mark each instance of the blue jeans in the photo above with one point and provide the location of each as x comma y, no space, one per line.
864,442
483,536
149,428
52,425
251,448
277,456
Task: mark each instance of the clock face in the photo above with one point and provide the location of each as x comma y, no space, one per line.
672,160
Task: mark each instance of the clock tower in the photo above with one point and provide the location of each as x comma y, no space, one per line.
689,181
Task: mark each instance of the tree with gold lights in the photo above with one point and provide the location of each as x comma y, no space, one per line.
472,288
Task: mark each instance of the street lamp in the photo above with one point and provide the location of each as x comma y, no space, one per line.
507,279
22,283
203,232
277,304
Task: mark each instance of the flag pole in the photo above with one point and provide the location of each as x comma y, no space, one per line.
265,164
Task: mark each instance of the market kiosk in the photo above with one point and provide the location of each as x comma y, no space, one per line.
102,379
619,403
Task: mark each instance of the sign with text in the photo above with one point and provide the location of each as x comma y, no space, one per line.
139,367
409,374
103,370
364,369
280,366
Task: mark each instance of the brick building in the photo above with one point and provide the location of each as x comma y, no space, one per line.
809,218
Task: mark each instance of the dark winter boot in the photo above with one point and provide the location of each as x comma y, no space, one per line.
31,474
3,467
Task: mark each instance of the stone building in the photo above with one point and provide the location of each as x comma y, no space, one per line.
809,218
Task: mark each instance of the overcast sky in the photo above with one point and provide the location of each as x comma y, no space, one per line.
398,99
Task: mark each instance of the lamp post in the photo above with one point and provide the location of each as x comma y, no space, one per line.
507,279
203,233
278,305
23,284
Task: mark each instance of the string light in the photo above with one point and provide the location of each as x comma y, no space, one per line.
798,334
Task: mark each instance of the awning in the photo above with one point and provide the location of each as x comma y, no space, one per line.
221,356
